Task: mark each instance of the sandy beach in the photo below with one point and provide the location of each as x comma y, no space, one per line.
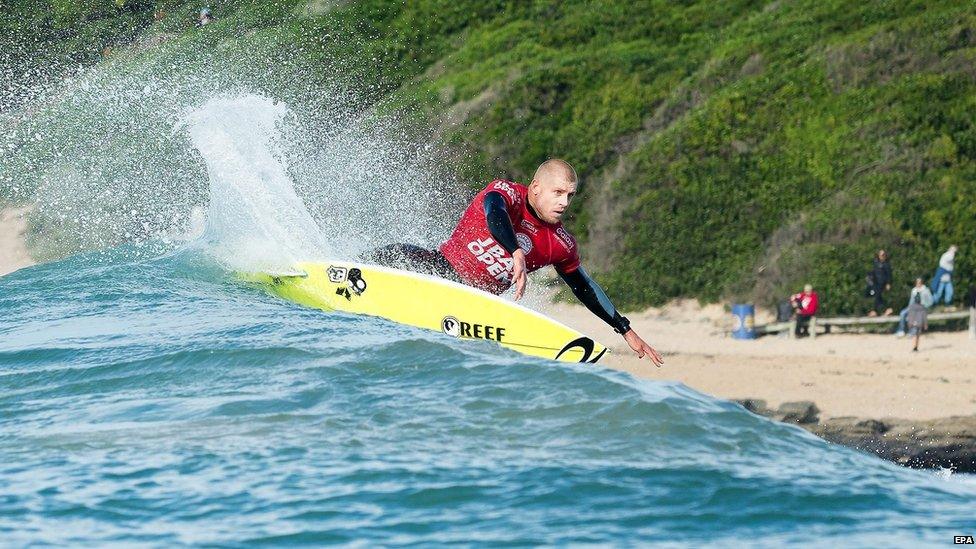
861,375
13,252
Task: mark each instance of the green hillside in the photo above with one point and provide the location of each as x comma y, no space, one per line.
730,149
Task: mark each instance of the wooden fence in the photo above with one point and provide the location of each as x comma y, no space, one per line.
827,322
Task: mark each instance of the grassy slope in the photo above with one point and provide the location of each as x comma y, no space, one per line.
730,148
41,40
735,148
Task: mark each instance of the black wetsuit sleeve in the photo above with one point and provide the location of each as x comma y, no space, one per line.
499,223
595,299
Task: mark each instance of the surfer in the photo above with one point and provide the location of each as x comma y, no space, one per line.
510,230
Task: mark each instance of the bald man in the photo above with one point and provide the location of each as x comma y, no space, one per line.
510,230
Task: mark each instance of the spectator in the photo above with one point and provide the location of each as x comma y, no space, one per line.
942,281
918,320
805,305
879,281
205,17
920,289
971,297
784,311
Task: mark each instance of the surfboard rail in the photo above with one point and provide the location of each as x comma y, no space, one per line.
428,302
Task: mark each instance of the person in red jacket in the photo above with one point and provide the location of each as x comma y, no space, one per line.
805,306
510,230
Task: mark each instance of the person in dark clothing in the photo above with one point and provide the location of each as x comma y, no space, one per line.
879,281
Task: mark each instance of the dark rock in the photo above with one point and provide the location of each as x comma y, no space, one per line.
801,412
947,443
756,406
873,426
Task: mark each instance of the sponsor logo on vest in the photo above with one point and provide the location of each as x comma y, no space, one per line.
492,255
565,239
507,189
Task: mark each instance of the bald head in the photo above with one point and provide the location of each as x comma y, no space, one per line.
552,189
555,169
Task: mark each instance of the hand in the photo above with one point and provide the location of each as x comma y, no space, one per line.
519,278
642,348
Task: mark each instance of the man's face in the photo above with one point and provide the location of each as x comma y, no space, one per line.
550,197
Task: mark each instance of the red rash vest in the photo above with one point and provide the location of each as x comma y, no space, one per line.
482,262
808,302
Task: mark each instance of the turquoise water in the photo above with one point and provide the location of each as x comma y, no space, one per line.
149,399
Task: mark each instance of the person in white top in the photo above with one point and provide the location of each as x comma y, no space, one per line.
942,281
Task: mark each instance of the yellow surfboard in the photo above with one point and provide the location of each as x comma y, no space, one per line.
432,303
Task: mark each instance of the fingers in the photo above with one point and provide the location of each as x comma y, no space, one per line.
520,279
656,358
647,350
642,349
518,273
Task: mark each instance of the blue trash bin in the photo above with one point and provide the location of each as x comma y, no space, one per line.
743,322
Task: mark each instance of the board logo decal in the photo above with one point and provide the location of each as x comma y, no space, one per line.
337,274
585,344
451,326
356,282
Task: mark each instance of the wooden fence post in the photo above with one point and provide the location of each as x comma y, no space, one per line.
972,323
813,327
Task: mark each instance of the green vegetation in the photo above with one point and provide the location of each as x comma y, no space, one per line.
47,39
730,149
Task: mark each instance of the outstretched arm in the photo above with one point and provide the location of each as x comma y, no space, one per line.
595,299
500,226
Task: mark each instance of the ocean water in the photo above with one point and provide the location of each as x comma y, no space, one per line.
148,398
